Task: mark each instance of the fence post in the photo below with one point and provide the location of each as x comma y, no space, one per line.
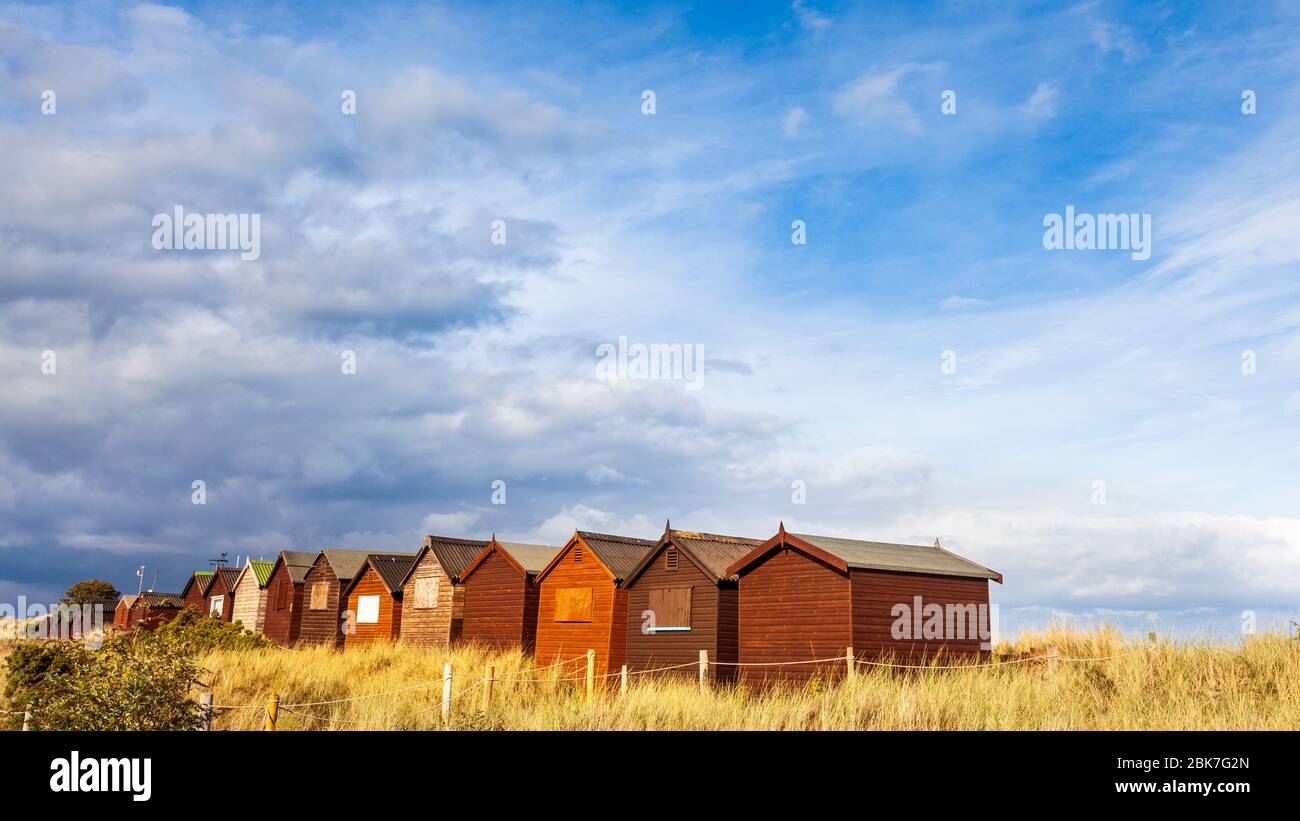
487,690
27,721
591,673
704,671
622,681
1051,659
850,662
446,692
205,707
272,711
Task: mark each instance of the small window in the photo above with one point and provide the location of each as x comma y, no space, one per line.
573,604
670,560
320,596
215,604
426,593
367,610
672,609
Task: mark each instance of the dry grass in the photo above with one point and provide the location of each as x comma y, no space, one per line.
1176,686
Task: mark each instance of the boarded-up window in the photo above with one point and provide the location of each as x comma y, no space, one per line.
281,595
320,596
367,610
672,608
573,604
426,592
215,604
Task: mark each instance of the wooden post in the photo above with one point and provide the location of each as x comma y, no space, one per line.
272,711
446,692
591,673
704,671
27,721
1052,659
205,706
487,690
622,681
850,662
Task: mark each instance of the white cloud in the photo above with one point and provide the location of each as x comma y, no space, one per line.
1041,105
1112,37
810,18
450,524
793,121
874,98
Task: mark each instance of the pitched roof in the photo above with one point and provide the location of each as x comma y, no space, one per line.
260,568
531,557
455,555
228,575
620,554
202,578
128,600
391,568
151,598
298,562
855,553
344,562
711,552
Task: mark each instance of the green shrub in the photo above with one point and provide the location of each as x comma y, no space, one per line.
133,682
198,632
28,665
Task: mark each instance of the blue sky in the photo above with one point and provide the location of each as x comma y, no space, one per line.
822,361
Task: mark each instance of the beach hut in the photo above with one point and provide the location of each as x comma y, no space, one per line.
580,604
195,592
500,609
122,613
806,597
432,590
682,600
284,590
374,600
250,592
151,609
324,606
220,594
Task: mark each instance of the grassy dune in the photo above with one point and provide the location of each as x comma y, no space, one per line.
1174,686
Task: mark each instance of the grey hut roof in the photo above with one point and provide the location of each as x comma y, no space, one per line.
229,576
904,558
150,598
297,563
128,600
621,554
455,555
711,552
531,557
344,562
391,569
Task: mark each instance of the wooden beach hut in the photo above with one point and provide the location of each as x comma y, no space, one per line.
374,600
284,592
501,599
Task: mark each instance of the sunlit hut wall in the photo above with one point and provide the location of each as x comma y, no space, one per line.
682,600
432,595
374,599
250,594
808,597
580,604
122,613
500,597
221,593
284,593
323,603
195,592
149,610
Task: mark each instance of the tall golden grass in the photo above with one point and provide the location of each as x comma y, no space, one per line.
1185,685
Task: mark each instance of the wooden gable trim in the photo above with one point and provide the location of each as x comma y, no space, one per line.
783,540
657,551
367,568
574,540
492,546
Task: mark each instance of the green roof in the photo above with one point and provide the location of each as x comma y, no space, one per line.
262,570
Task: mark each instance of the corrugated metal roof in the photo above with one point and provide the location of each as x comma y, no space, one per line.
298,563
621,554
261,570
454,554
128,600
531,557
392,569
229,575
716,552
156,599
202,578
905,558
345,562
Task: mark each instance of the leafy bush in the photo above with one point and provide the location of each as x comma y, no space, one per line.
28,665
197,632
134,682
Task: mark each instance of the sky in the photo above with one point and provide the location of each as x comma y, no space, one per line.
1116,436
